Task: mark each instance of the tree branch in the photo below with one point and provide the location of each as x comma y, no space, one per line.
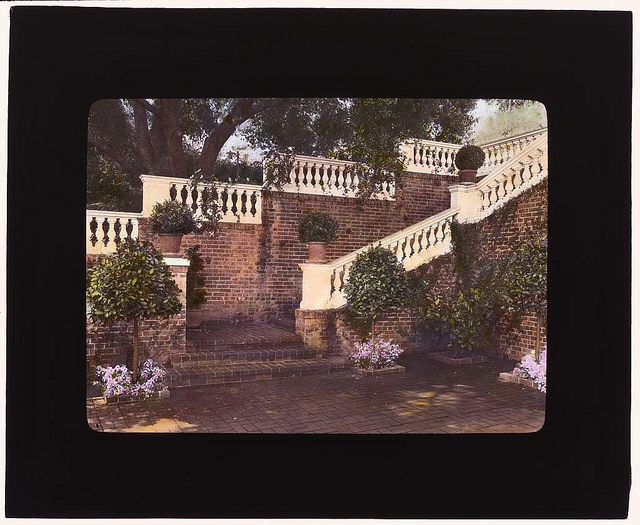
117,157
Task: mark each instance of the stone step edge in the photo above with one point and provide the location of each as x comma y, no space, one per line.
243,356
202,376
233,343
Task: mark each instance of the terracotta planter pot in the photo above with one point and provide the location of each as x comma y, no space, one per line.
169,242
194,318
467,175
317,252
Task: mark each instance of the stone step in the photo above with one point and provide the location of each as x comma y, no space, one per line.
229,337
186,376
242,354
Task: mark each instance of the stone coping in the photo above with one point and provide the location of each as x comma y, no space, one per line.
367,372
445,357
109,400
509,377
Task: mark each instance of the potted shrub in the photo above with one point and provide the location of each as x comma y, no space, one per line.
196,294
171,220
317,230
468,160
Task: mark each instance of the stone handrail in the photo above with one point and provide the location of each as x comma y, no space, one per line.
323,176
428,156
413,246
477,201
322,284
237,202
106,228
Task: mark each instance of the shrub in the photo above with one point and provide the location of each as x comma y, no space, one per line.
469,158
466,318
171,217
132,284
317,227
378,354
377,283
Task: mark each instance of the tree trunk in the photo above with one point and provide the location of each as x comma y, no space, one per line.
537,351
134,365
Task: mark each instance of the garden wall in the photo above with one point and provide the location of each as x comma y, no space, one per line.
251,270
519,220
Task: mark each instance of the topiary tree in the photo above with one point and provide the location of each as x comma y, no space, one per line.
469,158
132,284
171,217
377,283
525,283
317,227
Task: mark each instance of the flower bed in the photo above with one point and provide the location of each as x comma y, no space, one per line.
528,368
375,358
117,384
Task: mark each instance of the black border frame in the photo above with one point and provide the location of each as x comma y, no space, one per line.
578,63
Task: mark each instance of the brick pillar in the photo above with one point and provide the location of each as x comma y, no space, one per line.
314,326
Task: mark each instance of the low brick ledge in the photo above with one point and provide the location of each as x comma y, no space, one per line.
241,372
509,377
109,400
445,357
216,357
367,372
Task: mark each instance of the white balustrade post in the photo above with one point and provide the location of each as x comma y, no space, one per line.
316,286
467,200
154,189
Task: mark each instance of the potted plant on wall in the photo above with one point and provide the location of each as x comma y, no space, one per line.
468,161
171,220
317,230
196,294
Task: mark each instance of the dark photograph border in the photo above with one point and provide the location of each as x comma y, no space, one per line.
577,63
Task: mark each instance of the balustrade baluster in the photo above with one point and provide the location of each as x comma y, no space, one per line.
435,233
428,238
509,187
184,193
173,192
355,181
333,287
517,177
411,242
294,177
194,199
243,200
105,229
254,200
117,227
93,228
234,202
129,228
305,169
225,197
420,239
343,270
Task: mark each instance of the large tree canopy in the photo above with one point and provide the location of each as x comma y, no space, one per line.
184,137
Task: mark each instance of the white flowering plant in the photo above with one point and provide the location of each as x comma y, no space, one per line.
529,368
117,381
378,354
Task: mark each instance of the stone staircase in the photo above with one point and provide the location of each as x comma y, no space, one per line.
232,353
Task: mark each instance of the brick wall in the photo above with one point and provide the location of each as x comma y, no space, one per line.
251,271
113,344
519,221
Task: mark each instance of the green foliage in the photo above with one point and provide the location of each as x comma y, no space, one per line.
377,283
525,278
466,318
171,217
469,158
132,283
509,120
196,294
317,227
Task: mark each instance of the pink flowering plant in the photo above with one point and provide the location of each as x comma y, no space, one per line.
529,368
378,354
117,381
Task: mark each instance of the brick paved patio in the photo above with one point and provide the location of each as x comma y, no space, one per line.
430,397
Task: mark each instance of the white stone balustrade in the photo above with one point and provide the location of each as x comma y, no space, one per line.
428,156
321,176
237,202
323,284
105,228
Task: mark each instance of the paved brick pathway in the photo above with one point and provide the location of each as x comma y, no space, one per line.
430,397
